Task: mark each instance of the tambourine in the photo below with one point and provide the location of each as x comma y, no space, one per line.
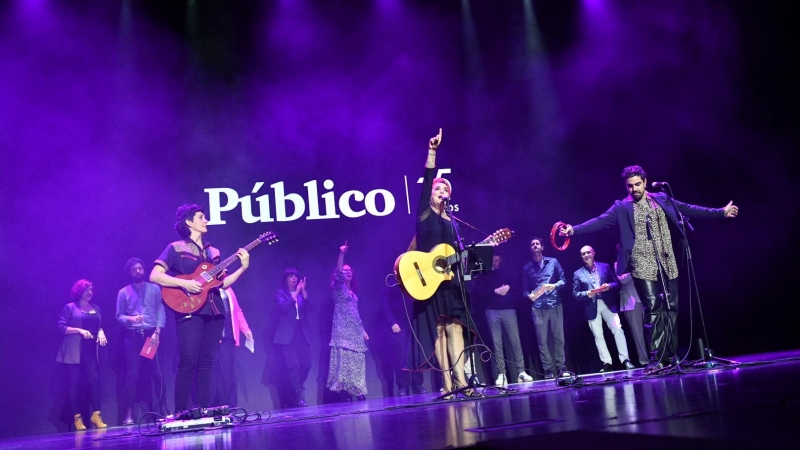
553,233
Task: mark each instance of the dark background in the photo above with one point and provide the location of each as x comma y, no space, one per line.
116,112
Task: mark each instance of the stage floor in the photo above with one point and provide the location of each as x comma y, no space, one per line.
755,405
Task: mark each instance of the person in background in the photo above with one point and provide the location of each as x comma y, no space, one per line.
494,291
141,313
223,379
348,364
81,325
596,287
396,311
293,332
542,278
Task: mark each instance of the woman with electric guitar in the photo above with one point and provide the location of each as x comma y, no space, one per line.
200,331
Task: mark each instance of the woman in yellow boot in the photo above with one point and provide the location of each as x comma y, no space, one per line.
79,322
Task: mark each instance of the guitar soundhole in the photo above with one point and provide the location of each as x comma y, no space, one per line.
439,265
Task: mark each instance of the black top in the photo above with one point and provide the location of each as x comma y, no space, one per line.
183,257
484,287
289,315
447,301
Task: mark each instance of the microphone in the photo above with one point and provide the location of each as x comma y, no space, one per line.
659,184
446,199
649,231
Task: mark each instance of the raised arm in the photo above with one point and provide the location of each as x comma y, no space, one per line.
244,259
340,261
700,212
606,220
433,144
423,207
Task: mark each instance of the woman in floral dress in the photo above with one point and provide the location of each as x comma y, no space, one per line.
348,368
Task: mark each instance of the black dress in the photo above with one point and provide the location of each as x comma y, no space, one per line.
447,302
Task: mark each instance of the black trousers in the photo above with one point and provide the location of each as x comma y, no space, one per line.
223,383
403,363
297,359
140,370
86,369
198,340
660,317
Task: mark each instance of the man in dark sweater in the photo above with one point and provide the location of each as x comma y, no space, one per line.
496,295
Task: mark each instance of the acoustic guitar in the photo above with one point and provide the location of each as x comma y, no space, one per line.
208,275
421,273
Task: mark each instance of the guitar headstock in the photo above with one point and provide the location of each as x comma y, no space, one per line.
500,236
268,238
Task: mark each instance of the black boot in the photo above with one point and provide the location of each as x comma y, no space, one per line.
298,397
128,417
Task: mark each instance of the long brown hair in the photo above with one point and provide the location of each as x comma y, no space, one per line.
353,281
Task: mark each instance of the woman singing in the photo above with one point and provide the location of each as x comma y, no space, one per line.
440,320
79,322
348,364
199,333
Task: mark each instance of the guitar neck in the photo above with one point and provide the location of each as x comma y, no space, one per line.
231,259
452,259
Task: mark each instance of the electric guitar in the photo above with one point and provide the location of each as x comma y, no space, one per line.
421,273
208,275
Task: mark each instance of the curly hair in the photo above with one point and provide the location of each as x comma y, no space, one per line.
184,213
132,262
78,289
633,171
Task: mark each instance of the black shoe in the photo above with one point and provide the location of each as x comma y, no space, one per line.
361,398
418,390
402,392
299,401
628,364
606,368
560,370
652,367
128,417
548,374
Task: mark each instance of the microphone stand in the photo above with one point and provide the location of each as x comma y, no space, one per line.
709,360
472,382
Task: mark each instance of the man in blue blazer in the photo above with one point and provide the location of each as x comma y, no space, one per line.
597,288
648,223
